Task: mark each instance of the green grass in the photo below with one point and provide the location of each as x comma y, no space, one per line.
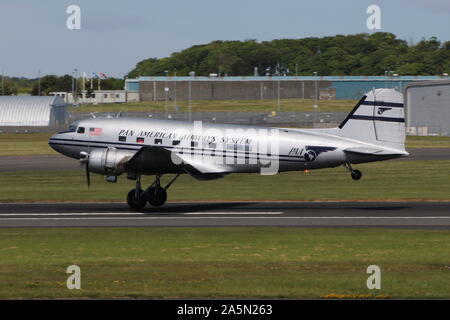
287,105
223,262
427,142
25,144
413,180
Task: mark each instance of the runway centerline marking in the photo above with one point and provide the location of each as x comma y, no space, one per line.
138,213
235,213
222,218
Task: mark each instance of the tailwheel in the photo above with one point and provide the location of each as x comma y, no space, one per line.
136,200
156,196
355,174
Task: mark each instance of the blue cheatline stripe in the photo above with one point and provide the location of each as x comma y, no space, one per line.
91,143
188,151
383,104
357,117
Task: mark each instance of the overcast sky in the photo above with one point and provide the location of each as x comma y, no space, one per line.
115,35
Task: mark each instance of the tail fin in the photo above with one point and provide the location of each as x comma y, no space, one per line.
378,118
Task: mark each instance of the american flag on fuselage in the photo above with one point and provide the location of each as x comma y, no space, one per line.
95,131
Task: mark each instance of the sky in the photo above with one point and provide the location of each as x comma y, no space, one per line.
115,35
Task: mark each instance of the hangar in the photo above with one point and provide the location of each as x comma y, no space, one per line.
428,108
32,111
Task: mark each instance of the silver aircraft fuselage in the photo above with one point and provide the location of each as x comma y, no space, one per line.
298,149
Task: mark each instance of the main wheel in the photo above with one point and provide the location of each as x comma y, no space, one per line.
156,196
356,174
136,204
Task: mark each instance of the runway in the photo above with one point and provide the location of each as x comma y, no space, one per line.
60,162
230,214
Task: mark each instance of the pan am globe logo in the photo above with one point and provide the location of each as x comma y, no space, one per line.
312,152
309,153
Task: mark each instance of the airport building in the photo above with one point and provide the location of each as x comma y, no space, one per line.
99,97
32,111
261,88
428,108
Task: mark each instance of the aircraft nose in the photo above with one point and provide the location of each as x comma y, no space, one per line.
56,143
53,142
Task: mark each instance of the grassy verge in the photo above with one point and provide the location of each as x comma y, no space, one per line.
427,142
391,180
223,262
287,105
25,144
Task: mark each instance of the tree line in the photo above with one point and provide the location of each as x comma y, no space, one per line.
359,54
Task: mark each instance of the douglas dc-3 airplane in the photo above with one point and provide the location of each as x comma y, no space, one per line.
373,131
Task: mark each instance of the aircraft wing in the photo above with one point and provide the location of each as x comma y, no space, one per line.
153,160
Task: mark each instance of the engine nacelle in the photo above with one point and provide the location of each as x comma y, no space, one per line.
109,161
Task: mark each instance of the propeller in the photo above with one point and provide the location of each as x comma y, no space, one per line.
85,160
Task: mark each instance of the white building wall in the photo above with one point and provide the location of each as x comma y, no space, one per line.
428,108
99,97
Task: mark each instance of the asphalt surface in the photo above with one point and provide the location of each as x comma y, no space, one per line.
60,162
420,215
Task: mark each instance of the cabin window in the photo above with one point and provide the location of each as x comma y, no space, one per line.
194,144
212,145
175,142
247,148
140,140
122,138
158,141
80,130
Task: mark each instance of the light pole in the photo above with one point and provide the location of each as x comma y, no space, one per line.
3,83
315,90
166,91
390,76
39,82
74,85
385,78
174,90
191,74
278,94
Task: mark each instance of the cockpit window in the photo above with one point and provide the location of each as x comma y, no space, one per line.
72,128
80,130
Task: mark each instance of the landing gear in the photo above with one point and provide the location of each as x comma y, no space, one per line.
355,174
136,198
136,202
155,195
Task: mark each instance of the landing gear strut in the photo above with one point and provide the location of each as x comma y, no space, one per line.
355,174
136,199
155,195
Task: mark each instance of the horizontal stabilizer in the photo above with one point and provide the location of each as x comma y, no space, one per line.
374,151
